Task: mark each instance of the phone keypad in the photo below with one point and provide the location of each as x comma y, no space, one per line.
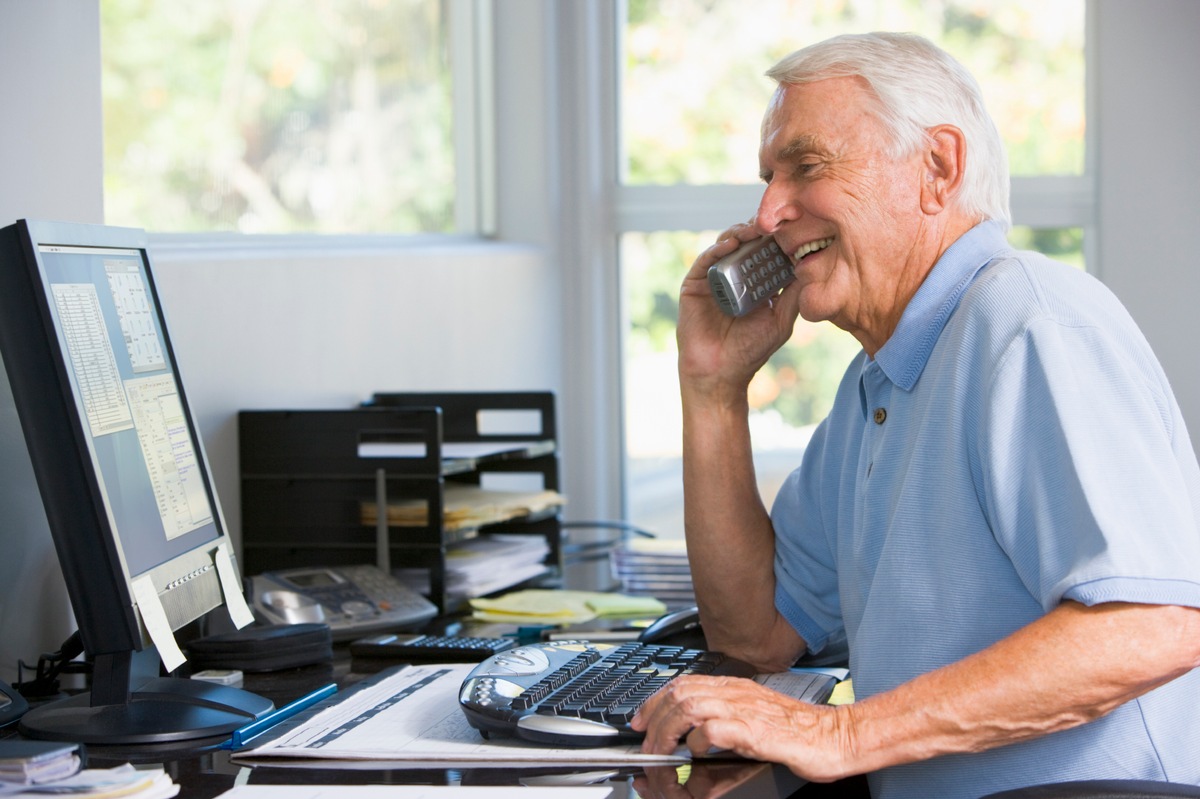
386,593
744,279
766,271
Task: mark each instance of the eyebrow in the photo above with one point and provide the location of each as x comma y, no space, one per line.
795,149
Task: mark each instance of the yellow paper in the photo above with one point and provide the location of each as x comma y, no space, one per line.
843,693
626,605
536,606
543,606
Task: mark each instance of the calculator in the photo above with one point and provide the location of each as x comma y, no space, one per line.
389,648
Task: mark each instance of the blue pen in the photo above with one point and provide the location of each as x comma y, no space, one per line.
244,734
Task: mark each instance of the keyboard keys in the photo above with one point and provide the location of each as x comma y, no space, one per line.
586,687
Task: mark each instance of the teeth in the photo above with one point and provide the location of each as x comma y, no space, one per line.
812,247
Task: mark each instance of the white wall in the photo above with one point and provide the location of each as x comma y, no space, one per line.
1149,178
327,330
50,166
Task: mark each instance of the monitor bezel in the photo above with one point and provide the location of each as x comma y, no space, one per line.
90,547
118,613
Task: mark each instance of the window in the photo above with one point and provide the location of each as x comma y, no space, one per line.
692,92
251,117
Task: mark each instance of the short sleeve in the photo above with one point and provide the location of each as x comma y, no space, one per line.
1090,471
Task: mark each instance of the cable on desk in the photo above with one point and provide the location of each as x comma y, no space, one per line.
577,553
610,525
49,666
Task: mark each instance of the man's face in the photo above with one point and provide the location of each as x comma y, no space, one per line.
845,210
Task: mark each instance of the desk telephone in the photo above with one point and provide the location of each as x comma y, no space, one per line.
352,600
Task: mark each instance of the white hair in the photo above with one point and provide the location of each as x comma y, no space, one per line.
918,86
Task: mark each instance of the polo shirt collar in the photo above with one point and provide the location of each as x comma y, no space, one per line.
903,357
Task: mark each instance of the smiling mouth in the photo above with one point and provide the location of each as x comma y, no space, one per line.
810,248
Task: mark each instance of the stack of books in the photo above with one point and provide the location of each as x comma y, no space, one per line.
36,762
657,568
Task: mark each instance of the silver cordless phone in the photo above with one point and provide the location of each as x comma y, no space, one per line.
749,276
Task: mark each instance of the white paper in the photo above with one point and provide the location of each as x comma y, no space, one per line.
155,619
413,715
413,792
239,611
125,780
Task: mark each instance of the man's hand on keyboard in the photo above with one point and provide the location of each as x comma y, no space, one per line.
741,716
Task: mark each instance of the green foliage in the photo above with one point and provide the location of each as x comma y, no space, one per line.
248,115
694,89
1061,244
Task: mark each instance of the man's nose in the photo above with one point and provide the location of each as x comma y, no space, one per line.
774,209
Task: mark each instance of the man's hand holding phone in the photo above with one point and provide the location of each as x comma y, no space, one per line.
716,345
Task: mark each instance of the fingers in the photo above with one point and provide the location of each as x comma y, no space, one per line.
711,715
727,241
679,712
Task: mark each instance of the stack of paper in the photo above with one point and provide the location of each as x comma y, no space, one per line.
655,567
485,565
124,781
467,507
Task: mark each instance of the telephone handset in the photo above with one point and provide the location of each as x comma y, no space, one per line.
678,628
749,276
352,600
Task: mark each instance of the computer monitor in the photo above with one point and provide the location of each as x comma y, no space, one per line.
123,478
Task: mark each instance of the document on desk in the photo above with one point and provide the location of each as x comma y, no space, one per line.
414,792
411,715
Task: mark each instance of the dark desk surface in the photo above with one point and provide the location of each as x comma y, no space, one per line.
203,773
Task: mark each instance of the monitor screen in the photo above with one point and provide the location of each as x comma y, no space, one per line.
123,478
126,390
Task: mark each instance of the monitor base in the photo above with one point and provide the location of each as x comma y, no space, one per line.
163,710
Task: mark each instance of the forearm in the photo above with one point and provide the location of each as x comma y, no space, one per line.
731,543
730,539
1073,666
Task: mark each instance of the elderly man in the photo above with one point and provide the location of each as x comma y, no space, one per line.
999,517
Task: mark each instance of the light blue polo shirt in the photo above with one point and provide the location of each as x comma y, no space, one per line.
1013,444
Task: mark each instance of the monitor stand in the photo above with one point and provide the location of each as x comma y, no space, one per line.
160,710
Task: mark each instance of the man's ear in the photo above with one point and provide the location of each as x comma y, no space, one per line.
945,164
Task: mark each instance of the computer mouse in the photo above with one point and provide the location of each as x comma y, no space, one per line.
678,628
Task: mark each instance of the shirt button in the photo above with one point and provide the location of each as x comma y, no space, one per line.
880,415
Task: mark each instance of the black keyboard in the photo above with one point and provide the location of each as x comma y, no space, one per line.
572,693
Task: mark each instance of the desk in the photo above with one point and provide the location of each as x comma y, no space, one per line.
203,773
